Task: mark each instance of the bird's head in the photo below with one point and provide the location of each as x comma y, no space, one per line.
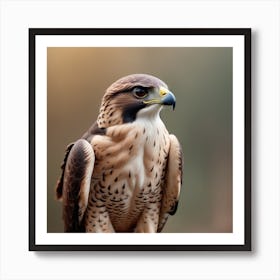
131,97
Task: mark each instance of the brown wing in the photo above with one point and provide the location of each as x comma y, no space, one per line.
173,182
74,184
59,184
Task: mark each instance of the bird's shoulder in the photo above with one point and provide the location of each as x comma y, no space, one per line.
92,131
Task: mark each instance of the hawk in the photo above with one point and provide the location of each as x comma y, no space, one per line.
125,173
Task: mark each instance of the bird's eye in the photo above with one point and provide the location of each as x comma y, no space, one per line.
140,92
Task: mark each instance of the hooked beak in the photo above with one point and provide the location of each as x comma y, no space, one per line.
165,97
169,99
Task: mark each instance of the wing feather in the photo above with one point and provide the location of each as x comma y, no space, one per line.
75,188
173,182
59,184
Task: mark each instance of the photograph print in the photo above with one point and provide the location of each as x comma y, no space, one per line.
142,136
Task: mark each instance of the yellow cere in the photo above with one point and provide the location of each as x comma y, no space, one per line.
163,91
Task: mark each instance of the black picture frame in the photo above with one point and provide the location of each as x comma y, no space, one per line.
33,35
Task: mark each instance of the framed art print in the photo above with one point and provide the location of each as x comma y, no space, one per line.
114,164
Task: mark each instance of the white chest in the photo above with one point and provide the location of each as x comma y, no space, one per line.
147,162
130,170
131,153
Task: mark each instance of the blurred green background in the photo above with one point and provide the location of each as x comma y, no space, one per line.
200,78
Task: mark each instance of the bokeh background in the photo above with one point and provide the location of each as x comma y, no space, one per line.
201,79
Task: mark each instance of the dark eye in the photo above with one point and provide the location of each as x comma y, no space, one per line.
140,92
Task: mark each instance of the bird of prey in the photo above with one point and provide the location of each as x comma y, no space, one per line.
125,173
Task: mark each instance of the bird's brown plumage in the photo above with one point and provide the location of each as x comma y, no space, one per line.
125,173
